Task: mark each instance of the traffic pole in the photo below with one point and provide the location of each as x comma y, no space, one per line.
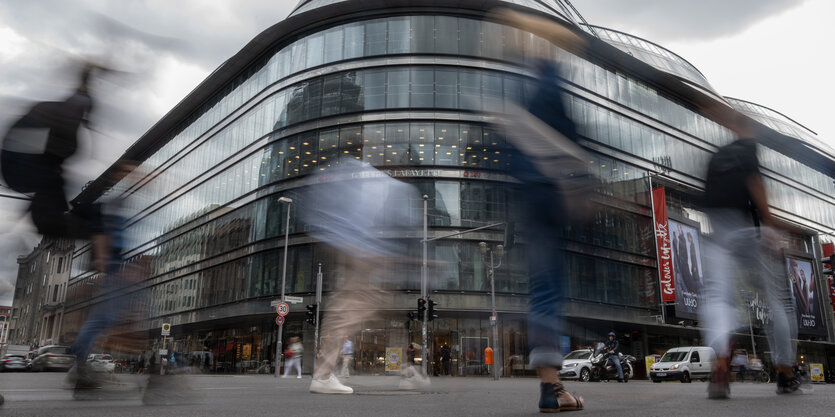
318,307
423,272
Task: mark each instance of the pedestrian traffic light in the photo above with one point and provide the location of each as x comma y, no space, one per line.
413,315
421,308
830,261
432,305
311,313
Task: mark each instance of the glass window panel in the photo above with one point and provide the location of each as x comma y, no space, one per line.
331,96
334,46
313,100
375,37
397,144
446,35
470,90
469,43
398,35
295,104
299,55
328,149
422,88
352,93
308,151
447,144
422,143
291,161
354,40
446,89
374,82
374,144
492,87
315,49
423,34
492,37
350,143
397,94
470,139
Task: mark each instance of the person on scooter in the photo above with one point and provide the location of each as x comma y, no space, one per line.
612,352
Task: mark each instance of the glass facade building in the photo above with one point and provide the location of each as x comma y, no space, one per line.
411,89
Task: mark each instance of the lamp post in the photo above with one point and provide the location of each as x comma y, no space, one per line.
494,320
423,271
288,201
749,298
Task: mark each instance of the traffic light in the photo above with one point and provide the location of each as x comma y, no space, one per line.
509,235
311,313
413,315
827,270
432,305
421,308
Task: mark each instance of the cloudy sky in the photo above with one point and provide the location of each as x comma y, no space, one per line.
772,52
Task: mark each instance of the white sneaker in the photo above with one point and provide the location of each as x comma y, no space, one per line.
299,377
331,385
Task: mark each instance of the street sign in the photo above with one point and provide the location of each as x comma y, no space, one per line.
274,303
293,300
166,329
163,352
282,309
279,320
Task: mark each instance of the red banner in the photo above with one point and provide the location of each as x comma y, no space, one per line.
662,240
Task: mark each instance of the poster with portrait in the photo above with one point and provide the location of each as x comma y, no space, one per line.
687,265
805,294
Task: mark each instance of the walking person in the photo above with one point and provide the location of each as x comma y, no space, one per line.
294,358
545,139
744,236
347,353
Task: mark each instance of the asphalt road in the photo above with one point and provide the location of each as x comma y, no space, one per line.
43,394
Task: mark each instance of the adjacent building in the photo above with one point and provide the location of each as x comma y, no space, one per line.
410,87
40,292
5,318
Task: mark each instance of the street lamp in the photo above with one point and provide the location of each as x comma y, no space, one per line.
494,319
423,272
288,201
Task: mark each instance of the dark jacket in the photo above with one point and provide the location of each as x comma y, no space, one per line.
612,345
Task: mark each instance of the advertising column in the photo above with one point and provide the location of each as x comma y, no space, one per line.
805,294
662,239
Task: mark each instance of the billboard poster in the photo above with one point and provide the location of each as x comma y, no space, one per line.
662,241
687,267
394,357
805,294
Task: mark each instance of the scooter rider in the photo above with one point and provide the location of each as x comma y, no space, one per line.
612,351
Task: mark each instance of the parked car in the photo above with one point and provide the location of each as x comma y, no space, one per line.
53,357
577,365
14,362
101,362
683,364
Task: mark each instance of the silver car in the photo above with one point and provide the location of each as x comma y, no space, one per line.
53,358
577,365
14,362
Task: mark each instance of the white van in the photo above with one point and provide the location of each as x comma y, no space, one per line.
683,364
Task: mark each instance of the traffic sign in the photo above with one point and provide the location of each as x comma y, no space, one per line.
166,329
279,320
282,309
293,300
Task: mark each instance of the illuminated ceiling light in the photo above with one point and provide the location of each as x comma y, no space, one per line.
440,138
307,153
469,148
449,153
496,160
345,151
421,145
388,146
292,147
400,130
454,146
305,143
464,132
602,165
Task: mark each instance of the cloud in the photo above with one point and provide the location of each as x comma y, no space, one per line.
165,49
666,20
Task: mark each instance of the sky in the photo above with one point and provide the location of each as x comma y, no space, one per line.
771,52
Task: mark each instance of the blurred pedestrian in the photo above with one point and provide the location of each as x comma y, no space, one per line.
549,168
344,212
294,357
744,236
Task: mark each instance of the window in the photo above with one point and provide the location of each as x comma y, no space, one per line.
55,294
60,265
423,88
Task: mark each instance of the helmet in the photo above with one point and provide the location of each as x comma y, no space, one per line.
612,334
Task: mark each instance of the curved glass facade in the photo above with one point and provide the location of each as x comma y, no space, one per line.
413,95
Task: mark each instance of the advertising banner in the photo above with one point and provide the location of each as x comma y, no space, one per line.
816,369
805,294
687,267
663,245
393,359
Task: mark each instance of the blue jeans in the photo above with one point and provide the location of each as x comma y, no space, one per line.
616,360
543,229
102,316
